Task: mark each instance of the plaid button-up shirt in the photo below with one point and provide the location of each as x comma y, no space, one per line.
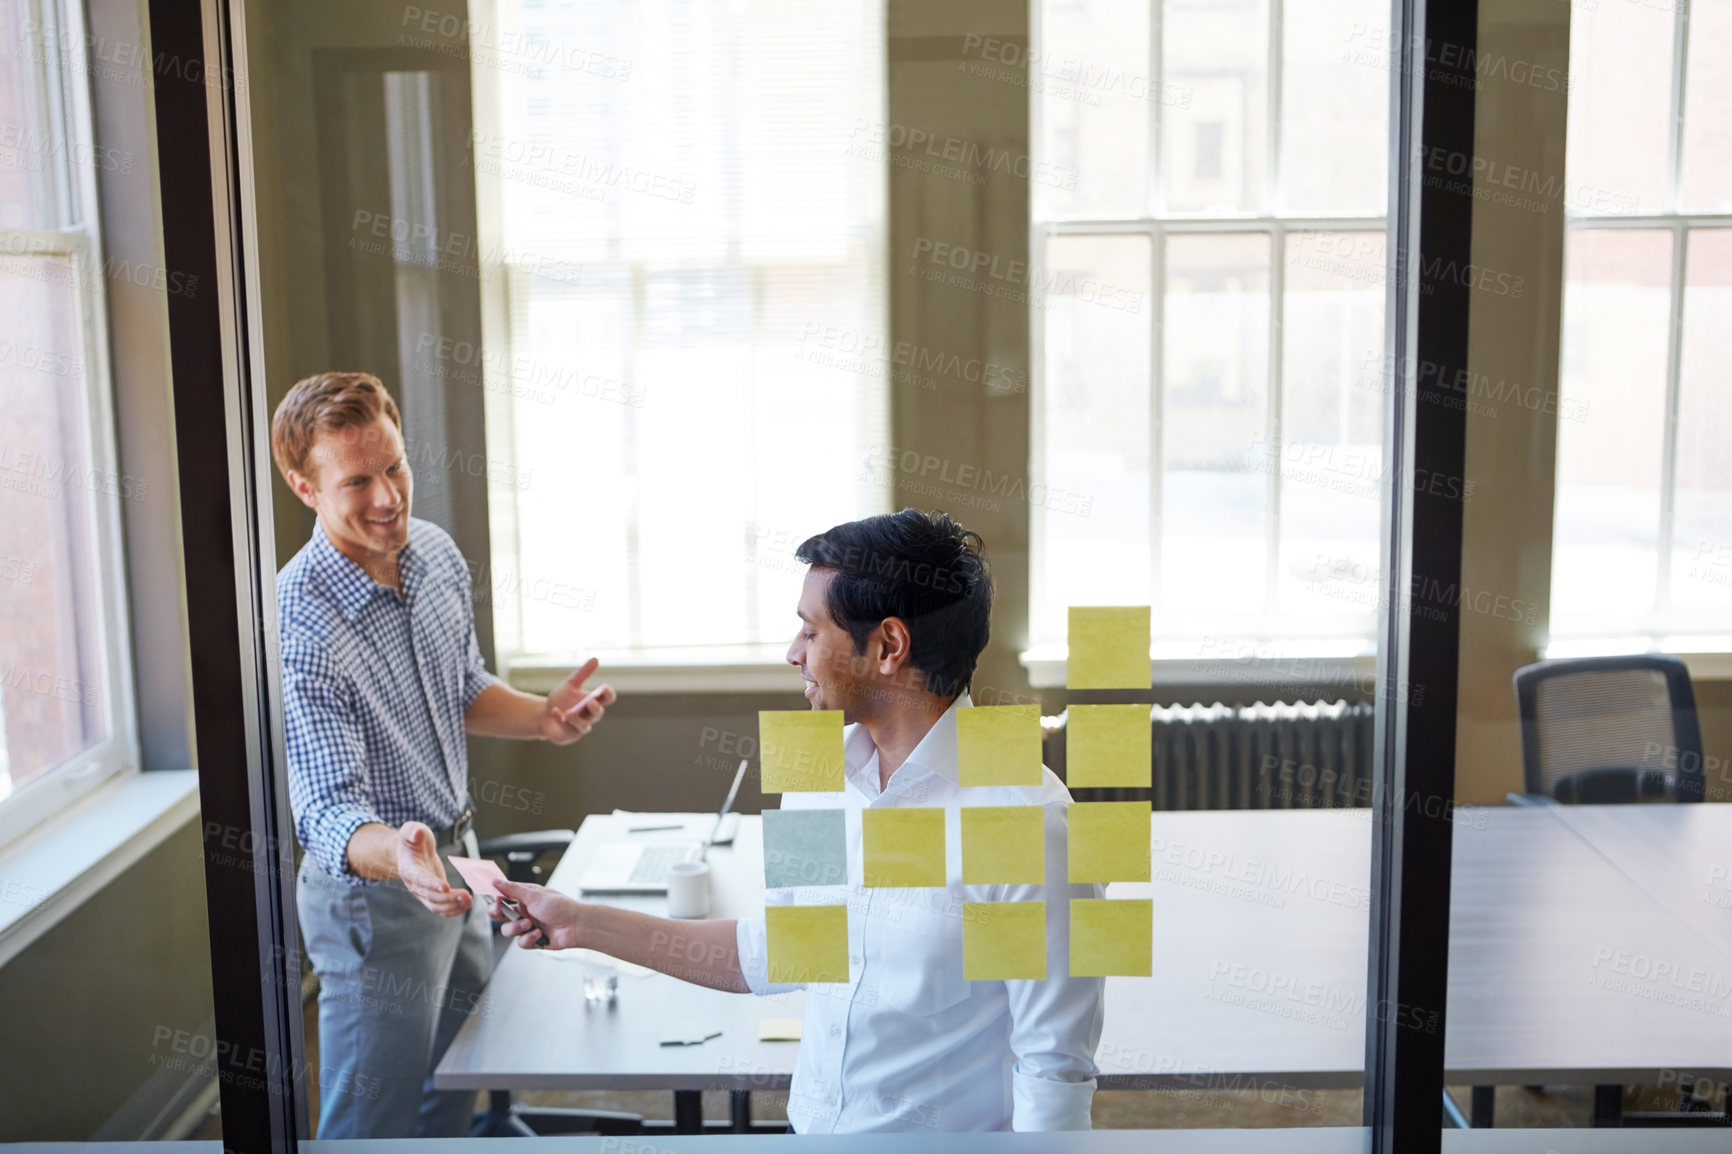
374,688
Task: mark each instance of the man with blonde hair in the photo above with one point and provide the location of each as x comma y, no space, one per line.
382,678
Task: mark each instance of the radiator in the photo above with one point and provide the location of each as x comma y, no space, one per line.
1299,755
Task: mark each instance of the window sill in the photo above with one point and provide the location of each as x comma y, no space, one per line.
47,874
701,669
1285,666
1707,658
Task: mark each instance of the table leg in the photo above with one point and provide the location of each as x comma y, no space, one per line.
1484,1107
740,1110
1608,1105
688,1112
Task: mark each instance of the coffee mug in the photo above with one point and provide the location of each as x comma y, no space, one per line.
688,889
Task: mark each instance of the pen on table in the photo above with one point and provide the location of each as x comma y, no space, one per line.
652,828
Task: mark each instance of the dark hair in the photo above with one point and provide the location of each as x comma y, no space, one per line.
921,567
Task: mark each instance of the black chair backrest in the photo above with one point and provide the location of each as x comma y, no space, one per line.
1610,729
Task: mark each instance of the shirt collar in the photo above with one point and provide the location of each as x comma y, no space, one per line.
935,753
347,581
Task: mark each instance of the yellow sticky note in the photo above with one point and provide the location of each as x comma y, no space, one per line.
1107,745
801,749
1111,938
903,847
1003,940
779,1030
807,943
998,745
1003,845
1109,647
1108,841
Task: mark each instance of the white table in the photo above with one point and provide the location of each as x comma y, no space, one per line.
1261,921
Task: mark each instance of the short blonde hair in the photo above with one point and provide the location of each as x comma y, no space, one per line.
326,401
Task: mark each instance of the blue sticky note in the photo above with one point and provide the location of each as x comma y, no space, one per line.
805,847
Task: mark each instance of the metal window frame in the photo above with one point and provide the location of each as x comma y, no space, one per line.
225,479
224,466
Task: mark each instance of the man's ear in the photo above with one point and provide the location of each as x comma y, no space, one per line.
894,645
302,488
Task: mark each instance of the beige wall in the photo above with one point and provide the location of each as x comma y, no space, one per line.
99,1010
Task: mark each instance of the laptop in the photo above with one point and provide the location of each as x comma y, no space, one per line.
640,866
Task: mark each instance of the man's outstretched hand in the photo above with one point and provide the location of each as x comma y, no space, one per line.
573,711
549,919
423,873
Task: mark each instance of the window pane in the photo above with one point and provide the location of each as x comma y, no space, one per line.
1702,518
1099,99
35,186
1707,176
1215,150
1334,105
1214,429
1331,449
1095,426
53,698
1620,103
725,210
1614,377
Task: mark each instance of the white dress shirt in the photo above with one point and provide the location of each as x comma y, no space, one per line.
908,1043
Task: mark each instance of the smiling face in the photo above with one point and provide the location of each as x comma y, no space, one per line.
358,482
836,678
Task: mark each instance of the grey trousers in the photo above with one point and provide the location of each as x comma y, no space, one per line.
396,982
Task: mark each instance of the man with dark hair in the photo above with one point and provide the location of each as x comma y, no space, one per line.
382,677
893,617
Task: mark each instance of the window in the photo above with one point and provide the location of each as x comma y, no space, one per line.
695,313
65,696
1644,479
1220,409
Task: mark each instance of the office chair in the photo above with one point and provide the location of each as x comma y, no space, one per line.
1605,730
1610,730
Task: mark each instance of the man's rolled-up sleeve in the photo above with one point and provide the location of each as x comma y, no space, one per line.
327,787
1056,1023
751,939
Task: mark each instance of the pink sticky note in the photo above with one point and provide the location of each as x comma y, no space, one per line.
479,874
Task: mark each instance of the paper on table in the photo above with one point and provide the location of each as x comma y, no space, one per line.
1108,647
1002,941
903,847
801,750
1108,841
1003,845
805,847
998,745
1111,938
779,1030
807,943
1107,745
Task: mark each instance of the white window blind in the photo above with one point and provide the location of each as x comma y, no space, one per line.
689,235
